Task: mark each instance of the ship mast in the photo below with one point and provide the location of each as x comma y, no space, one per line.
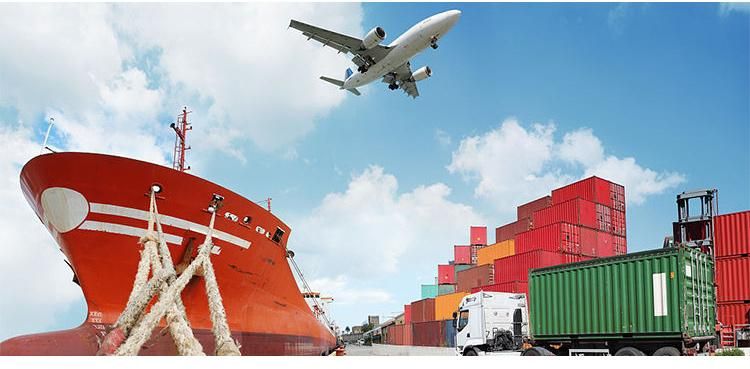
180,142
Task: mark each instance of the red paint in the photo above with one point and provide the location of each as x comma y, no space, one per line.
605,245
594,189
577,211
618,222
462,254
510,286
423,310
516,267
621,245
510,230
446,274
399,334
732,234
526,210
733,279
407,314
730,314
603,218
558,237
478,235
474,277
429,334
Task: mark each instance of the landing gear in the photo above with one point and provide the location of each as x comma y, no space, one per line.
393,86
363,68
434,45
433,42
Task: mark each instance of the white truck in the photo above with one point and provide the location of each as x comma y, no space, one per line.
491,322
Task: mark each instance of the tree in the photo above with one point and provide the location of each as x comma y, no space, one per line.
347,330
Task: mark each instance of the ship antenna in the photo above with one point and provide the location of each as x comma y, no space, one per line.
180,142
46,136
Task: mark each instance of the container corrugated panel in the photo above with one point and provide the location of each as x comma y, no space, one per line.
733,313
407,314
618,222
462,254
525,210
474,277
665,293
621,245
733,279
428,333
423,310
605,245
487,255
446,274
445,305
594,189
449,327
558,237
478,235
603,218
429,291
577,211
516,267
510,230
511,286
732,234
445,289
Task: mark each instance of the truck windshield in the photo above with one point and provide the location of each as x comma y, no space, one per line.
463,318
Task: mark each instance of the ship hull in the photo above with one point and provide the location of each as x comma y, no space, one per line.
95,206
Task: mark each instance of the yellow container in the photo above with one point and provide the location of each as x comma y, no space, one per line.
488,254
445,305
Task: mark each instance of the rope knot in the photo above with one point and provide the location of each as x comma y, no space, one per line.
149,236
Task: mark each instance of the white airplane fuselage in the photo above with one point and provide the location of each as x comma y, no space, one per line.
406,46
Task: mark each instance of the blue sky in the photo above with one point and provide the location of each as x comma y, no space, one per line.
655,94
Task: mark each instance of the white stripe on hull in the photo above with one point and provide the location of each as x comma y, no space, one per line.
93,225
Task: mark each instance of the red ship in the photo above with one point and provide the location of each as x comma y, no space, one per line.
96,208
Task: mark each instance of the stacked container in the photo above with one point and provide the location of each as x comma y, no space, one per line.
487,255
732,249
474,277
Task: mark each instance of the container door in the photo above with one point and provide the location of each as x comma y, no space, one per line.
699,299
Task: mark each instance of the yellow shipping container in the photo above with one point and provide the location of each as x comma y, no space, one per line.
488,254
445,305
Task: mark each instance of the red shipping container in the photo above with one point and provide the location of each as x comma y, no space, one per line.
598,190
558,237
516,267
510,230
423,310
511,286
618,222
527,209
605,245
730,314
732,234
462,254
478,235
603,218
577,211
474,277
428,334
621,245
446,274
733,279
407,314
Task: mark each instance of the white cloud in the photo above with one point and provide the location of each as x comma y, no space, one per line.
41,284
616,17
739,7
512,165
442,137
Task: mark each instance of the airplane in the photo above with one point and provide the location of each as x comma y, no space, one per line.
391,63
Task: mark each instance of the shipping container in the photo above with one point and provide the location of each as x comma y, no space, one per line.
429,291
576,211
510,230
429,333
525,210
733,279
516,267
445,305
478,235
558,237
511,286
732,234
618,222
399,334
423,310
462,254
487,255
621,245
446,274
604,218
594,189
449,327
408,334
474,277
665,294
407,314
462,267
734,313
445,289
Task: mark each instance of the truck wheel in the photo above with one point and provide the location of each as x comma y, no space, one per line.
537,351
629,351
667,351
470,352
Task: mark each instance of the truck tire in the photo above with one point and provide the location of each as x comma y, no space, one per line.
470,352
629,351
537,351
667,351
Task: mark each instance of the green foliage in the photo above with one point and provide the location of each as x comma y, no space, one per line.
731,352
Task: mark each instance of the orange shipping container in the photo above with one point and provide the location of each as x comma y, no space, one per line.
487,255
445,305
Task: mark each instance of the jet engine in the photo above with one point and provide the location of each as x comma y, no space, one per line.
373,38
421,73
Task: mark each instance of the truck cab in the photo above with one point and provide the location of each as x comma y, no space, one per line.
490,322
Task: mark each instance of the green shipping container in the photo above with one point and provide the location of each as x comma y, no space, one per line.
429,291
659,294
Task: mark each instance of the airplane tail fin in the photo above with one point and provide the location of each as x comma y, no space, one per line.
340,84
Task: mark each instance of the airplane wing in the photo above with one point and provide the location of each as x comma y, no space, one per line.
342,43
402,76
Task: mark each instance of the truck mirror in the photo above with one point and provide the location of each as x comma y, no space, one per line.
455,315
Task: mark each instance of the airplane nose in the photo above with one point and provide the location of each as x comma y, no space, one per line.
453,15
